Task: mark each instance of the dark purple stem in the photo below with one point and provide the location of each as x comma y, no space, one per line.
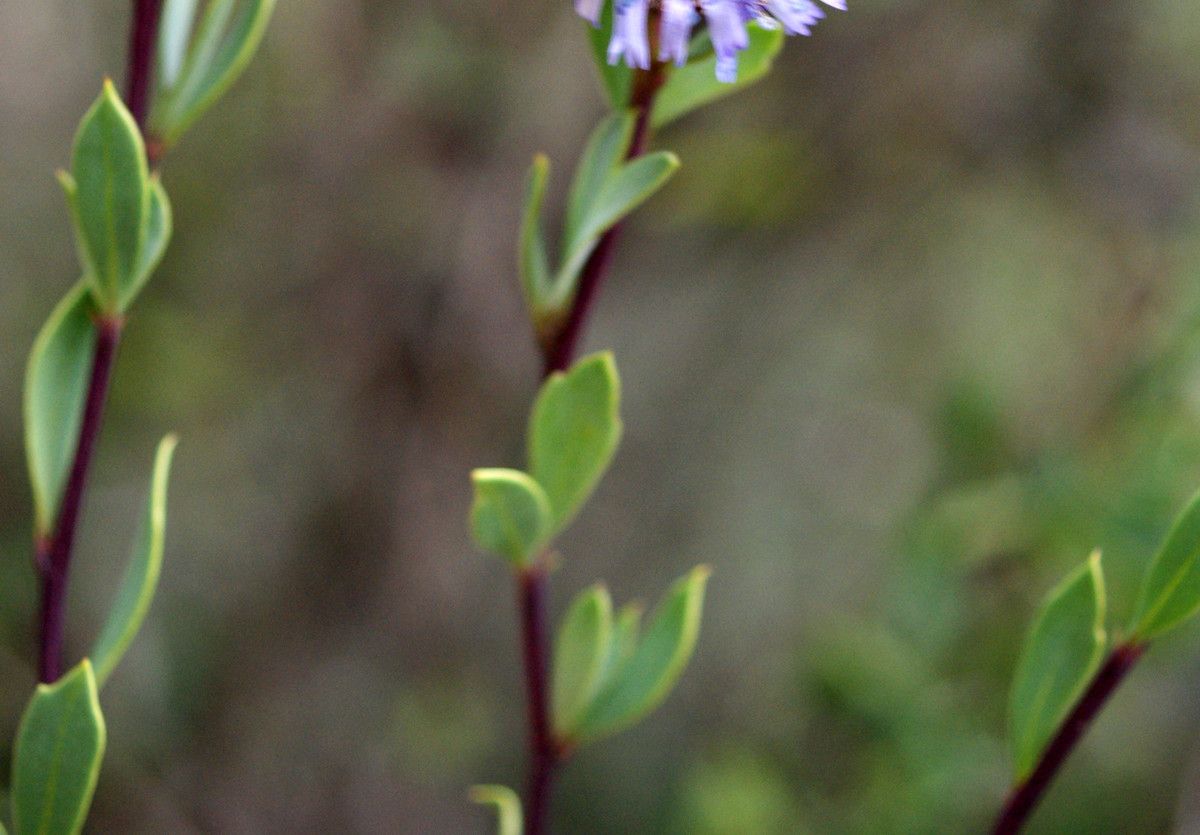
143,36
54,556
1025,796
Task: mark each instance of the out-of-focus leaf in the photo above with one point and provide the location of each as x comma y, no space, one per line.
573,432
623,641
158,235
509,820
1062,652
531,258
174,34
644,681
616,79
580,654
56,382
109,197
510,516
602,156
220,52
1170,591
695,84
56,762
141,577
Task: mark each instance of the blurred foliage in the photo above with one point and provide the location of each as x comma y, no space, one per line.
926,301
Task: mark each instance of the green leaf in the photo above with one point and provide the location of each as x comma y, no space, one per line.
220,54
580,655
1170,591
695,84
1062,652
623,191
617,80
602,156
60,744
510,516
532,260
141,577
109,196
158,235
509,820
647,677
623,641
174,33
573,432
56,383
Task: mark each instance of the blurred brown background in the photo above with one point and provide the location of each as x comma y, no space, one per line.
912,331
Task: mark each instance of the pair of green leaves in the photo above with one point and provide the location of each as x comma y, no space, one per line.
121,214
200,56
693,85
60,742
606,675
1067,642
605,190
574,430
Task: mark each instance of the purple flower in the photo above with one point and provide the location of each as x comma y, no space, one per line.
726,21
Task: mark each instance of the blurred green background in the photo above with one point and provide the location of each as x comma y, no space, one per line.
916,327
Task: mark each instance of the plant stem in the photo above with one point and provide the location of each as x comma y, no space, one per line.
1024,797
143,35
54,556
545,752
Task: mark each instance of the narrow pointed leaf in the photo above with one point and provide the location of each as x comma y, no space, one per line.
1170,593
141,577
56,382
580,654
532,260
56,762
174,34
644,681
617,80
603,155
624,191
510,516
109,197
695,84
509,819
1062,652
573,433
212,71
158,235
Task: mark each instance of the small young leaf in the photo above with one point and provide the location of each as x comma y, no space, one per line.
625,190
141,577
174,33
617,79
1062,652
109,197
1170,591
573,432
219,55
509,820
56,383
644,681
602,156
580,655
510,516
532,260
624,640
695,84
158,235
60,744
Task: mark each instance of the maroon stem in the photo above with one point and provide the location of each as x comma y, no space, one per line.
1025,796
143,35
54,556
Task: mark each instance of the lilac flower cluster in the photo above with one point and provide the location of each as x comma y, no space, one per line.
726,20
